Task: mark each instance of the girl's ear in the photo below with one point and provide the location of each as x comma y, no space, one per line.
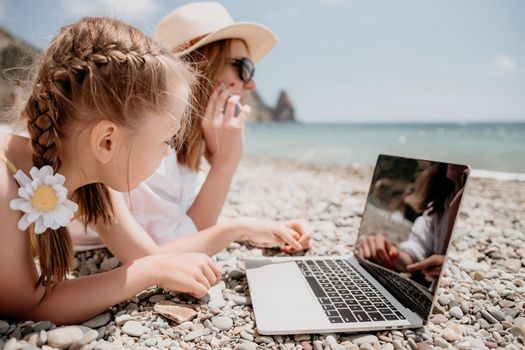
103,140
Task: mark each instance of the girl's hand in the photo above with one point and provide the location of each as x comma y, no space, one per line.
430,266
224,133
192,273
266,234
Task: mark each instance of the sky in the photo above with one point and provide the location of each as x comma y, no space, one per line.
353,60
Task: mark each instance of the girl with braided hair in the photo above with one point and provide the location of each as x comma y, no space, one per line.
101,115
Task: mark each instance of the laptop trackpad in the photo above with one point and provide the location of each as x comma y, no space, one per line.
286,281
281,295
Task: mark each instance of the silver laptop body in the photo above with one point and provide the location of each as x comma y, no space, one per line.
316,294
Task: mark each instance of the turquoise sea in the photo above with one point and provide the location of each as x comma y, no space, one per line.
491,149
496,147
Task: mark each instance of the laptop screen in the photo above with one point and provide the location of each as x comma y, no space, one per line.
407,224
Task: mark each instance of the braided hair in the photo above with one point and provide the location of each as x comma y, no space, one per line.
110,70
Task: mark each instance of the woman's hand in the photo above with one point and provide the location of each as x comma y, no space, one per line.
192,273
379,249
266,233
305,240
223,132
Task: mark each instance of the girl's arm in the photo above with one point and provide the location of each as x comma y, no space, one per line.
71,301
78,299
75,300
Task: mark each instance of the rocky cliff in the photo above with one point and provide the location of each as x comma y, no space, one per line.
16,57
262,113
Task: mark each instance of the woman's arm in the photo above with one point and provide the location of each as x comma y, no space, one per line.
128,241
224,137
208,204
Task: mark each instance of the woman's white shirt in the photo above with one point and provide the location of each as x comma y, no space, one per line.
159,204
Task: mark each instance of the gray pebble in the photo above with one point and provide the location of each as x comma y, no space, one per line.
42,326
98,321
150,342
511,312
498,314
120,320
318,345
4,326
263,339
246,336
42,338
456,312
241,300
488,317
301,337
398,344
246,346
133,328
442,343
222,322
63,337
332,342
363,339
237,274
412,343
89,336
443,300
194,335
109,264
164,343
156,298
101,332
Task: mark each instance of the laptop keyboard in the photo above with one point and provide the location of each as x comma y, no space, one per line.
407,289
344,294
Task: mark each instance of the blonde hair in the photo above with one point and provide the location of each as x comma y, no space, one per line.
207,61
110,70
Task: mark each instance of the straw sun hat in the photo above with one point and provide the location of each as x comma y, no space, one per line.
194,25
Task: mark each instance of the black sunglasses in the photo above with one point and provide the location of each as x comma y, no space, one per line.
245,67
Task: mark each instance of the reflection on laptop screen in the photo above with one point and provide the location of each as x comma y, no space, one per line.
407,224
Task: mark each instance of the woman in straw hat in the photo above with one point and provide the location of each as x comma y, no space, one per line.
179,199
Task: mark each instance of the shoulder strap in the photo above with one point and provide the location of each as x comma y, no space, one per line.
10,165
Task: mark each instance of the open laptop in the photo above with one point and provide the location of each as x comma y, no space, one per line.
411,203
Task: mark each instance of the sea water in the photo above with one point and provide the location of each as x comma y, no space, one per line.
492,149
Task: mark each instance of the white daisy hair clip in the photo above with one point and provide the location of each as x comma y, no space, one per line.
43,199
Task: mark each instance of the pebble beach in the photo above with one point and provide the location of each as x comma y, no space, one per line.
480,298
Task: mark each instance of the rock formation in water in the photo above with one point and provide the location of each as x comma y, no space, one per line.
262,113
